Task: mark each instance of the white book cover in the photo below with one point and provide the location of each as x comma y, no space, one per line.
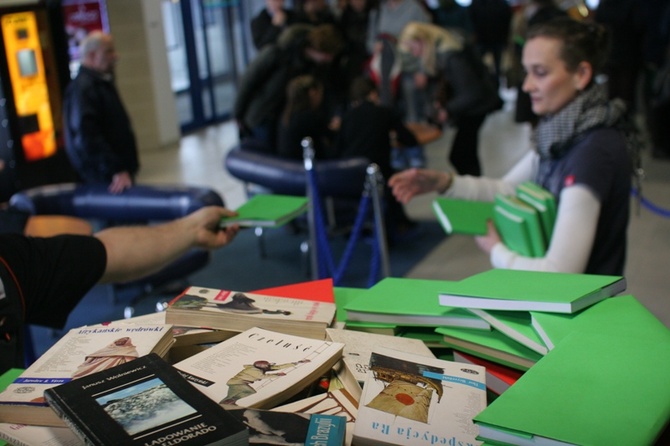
259,368
412,400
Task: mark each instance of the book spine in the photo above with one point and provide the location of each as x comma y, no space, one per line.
54,402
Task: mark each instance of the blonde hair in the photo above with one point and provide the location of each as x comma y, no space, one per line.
435,39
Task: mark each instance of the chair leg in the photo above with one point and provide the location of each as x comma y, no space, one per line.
261,241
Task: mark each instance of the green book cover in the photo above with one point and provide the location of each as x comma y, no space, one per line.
622,314
463,216
529,215
601,389
410,302
268,210
543,201
344,295
507,289
513,231
492,345
515,324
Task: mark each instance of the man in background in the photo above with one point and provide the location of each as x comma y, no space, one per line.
99,137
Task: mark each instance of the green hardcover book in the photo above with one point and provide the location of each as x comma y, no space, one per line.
410,302
463,216
492,345
516,325
543,201
601,389
268,210
623,314
507,206
506,289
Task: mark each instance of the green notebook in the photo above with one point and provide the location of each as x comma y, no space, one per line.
410,302
507,289
463,216
268,210
517,325
492,345
601,389
514,218
623,314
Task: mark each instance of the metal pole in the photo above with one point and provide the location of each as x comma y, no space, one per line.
374,186
308,158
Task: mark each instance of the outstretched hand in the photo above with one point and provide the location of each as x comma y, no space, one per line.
204,226
407,184
488,241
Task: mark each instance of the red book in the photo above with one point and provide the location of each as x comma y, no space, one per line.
498,377
317,290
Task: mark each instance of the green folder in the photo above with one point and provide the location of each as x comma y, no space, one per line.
514,218
410,302
622,314
268,210
600,389
507,289
463,216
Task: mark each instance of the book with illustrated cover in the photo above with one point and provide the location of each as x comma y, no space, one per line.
600,389
463,216
283,428
413,400
410,302
80,352
507,289
259,368
498,377
144,402
358,346
268,210
334,402
239,311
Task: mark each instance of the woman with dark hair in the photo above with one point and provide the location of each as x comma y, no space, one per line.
582,154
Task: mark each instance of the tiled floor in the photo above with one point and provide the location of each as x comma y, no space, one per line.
198,160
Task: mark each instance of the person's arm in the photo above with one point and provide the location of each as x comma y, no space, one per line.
571,242
136,251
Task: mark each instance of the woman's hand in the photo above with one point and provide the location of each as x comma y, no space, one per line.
407,184
488,241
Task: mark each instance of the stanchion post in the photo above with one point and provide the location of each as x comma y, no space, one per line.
308,159
374,185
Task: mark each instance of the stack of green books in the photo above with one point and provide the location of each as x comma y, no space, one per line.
525,220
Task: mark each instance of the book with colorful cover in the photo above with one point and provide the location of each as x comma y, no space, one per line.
498,377
410,302
515,324
337,402
507,289
459,216
143,402
492,345
80,352
358,347
268,427
621,314
600,389
413,400
259,368
239,311
268,210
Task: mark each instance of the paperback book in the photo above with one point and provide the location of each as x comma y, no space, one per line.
238,311
507,289
268,210
498,377
412,400
282,428
543,201
259,368
517,325
463,216
145,402
80,352
26,435
519,226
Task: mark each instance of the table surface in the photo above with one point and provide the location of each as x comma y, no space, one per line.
50,225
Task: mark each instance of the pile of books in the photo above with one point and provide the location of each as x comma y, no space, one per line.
500,357
525,221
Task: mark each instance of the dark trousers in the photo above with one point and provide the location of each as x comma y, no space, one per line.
464,149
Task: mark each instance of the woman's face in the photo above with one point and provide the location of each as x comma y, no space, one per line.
548,82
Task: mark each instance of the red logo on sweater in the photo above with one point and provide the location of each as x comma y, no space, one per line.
569,181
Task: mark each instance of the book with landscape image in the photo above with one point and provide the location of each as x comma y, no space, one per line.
259,368
507,289
80,352
268,210
358,346
239,311
600,389
410,302
283,428
413,400
143,402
